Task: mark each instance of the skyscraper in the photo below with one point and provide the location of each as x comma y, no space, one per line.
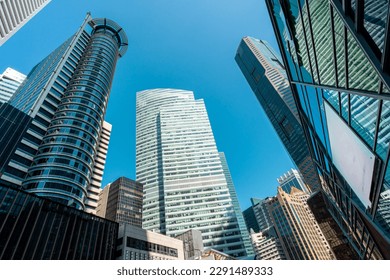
178,162
292,179
61,142
16,13
337,61
256,216
265,73
236,205
296,227
10,80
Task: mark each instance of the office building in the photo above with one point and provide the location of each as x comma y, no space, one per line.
292,179
250,219
299,233
135,243
236,205
61,143
267,245
192,244
102,201
336,55
257,217
35,228
178,163
10,80
94,188
16,13
123,202
264,71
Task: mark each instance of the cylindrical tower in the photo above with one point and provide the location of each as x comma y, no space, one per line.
64,164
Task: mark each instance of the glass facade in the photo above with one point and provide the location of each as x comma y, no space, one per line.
66,95
337,57
13,125
257,217
236,205
265,73
292,179
178,163
34,228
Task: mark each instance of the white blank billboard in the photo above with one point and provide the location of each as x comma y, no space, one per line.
350,156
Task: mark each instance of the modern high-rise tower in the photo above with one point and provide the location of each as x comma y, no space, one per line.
16,13
266,75
10,80
178,162
290,179
256,216
337,58
58,148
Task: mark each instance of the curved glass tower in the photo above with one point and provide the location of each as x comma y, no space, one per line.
64,163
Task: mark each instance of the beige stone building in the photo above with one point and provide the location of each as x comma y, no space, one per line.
299,233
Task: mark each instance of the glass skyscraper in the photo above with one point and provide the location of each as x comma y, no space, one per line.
257,216
292,179
337,61
236,205
178,163
265,73
62,144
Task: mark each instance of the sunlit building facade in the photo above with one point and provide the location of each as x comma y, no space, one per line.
16,13
178,163
337,55
267,245
10,80
298,231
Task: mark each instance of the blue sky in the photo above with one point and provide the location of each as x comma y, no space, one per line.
182,44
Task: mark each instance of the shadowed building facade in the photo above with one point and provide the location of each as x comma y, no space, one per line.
35,228
265,73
